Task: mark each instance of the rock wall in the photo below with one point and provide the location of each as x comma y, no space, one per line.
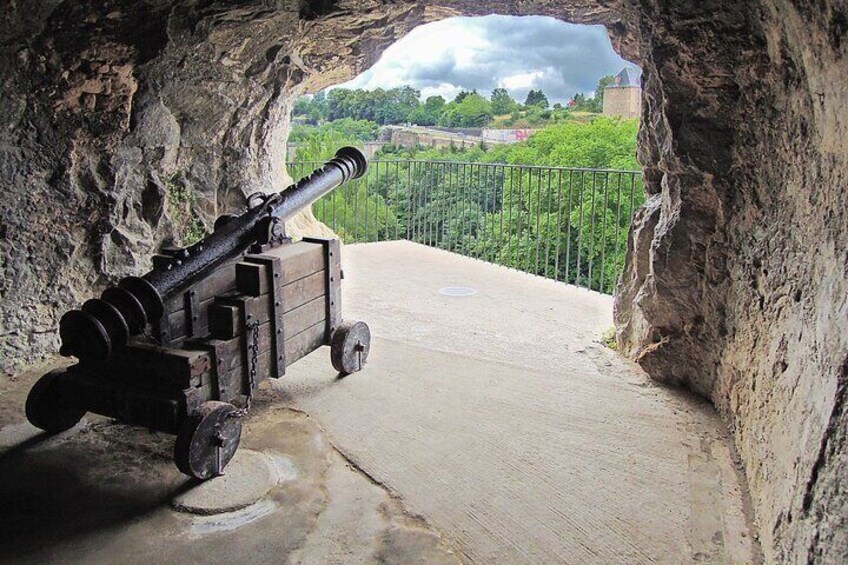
124,120
737,278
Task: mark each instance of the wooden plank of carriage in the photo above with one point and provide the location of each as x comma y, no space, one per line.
295,322
151,366
296,347
295,293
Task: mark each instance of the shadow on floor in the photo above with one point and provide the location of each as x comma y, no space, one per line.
56,489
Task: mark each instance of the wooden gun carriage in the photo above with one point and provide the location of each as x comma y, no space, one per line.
183,354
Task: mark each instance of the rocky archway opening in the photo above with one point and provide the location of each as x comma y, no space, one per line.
115,114
445,116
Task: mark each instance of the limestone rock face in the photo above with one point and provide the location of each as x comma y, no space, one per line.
737,281
127,124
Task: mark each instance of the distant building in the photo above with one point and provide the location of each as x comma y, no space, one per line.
624,96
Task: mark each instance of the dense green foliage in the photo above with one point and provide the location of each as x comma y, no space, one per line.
468,109
536,98
471,111
360,130
502,102
428,114
391,106
512,204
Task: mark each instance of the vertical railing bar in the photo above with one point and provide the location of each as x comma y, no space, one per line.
378,200
449,206
632,190
376,189
491,221
473,192
456,223
443,205
434,226
559,224
395,200
485,249
460,185
460,223
355,212
414,190
432,212
538,218
509,250
435,198
431,188
529,218
580,228
365,206
382,228
601,287
422,216
481,191
335,199
410,194
502,178
430,219
460,208
617,219
549,200
422,209
520,205
446,191
469,210
568,227
323,217
592,237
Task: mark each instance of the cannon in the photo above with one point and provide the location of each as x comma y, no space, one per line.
182,349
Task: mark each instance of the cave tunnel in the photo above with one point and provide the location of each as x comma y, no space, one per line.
736,281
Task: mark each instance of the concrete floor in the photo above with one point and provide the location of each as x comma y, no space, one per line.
490,428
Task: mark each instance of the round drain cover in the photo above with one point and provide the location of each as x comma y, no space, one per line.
458,291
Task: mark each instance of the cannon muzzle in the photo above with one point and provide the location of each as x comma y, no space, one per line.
102,324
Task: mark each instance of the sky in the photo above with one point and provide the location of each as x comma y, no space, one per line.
516,53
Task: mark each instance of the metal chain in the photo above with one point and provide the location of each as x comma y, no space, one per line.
254,356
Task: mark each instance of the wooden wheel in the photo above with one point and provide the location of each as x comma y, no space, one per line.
48,406
208,439
349,347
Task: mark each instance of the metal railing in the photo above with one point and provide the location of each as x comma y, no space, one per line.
566,224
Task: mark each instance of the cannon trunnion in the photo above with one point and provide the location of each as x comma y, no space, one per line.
194,370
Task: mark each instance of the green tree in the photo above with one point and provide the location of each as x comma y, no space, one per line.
463,94
428,114
359,130
502,102
302,106
474,111
603,82
536,98
392,106
449,116
318,108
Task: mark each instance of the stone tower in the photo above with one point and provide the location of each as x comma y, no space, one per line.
623,97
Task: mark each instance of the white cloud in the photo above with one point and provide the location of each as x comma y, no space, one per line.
521,81
445,90
518,53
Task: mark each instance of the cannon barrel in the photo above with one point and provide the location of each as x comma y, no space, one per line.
102,324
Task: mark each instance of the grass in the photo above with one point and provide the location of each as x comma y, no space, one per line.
608,339
182,208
